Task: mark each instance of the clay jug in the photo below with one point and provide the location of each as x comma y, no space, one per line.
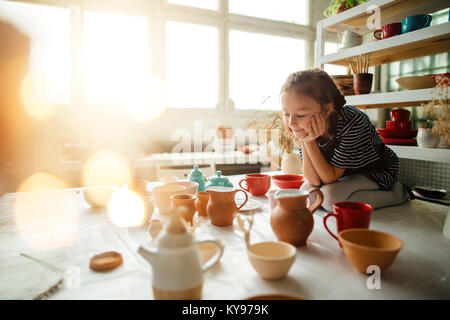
291,220
222,207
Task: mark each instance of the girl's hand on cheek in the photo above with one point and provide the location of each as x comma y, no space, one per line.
316,127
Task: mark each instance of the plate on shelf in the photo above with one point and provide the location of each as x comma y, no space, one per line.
416,82
398,134
401,142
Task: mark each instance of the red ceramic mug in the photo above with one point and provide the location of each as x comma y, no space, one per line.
393,125
257,184
389,30
349,214
400,115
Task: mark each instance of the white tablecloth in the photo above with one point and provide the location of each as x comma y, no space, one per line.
320,271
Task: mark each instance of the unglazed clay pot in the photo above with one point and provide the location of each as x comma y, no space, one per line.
187,201
222,207
291,220
202,203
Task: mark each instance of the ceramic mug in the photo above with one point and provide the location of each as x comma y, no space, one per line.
389,30
416,22
349,214
188,202
400,115
395,125
257,184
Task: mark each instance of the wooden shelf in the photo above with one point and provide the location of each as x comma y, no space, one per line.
355,19
419,43
416,153
392,99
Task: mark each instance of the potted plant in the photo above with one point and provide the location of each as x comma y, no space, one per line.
338,6
272,134
438,109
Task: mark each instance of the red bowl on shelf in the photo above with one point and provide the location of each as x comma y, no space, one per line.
398,134
288,181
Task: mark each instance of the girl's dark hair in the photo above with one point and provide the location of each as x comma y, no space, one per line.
316,84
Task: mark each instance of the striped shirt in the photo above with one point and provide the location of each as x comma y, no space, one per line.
356,146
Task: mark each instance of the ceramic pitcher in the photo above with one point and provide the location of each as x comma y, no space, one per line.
291,220
222,207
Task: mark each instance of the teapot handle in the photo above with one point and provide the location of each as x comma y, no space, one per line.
246,199
211,261
318,201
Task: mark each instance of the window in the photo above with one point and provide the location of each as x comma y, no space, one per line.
192,70
115,53
204,4
49,32
259,65
294,11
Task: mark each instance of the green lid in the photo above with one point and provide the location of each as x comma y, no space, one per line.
196,173
219,180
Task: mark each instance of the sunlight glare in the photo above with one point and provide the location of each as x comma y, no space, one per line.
126,209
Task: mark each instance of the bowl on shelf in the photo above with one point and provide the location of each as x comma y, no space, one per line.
398,134
416,82
345,84
365,247
288,181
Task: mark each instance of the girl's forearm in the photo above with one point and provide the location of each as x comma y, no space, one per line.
326,172
308,169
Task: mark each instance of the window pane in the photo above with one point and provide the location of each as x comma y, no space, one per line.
293,11
259,65
204,4
332,69
49,32
115,52
192,65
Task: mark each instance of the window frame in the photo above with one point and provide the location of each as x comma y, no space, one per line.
158,12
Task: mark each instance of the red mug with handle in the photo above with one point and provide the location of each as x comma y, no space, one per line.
256,184
349,214
389,30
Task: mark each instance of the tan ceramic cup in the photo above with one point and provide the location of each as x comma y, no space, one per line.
187,201
202,203
161,196
272,259
191,186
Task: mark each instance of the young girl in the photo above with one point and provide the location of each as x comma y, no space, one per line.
342,153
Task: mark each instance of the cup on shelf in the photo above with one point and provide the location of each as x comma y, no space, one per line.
395,125
362,83
388,30
400,115
416,22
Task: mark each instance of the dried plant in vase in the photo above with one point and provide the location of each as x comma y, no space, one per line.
272,128
438,108
338,6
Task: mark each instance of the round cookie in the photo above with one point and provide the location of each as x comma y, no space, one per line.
105,261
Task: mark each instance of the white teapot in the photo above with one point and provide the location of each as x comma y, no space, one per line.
176,264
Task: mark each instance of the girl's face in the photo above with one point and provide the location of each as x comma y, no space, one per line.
298,109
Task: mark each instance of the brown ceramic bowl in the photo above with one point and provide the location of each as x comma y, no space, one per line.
416,82
365,247
191,186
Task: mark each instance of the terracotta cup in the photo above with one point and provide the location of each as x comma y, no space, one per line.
388,30
187,201
257,184
349,214
161,196
362,83
202,203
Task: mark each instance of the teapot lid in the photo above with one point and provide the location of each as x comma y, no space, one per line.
219,180
196,173
176,234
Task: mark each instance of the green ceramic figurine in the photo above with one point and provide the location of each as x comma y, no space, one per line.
218,180
197,176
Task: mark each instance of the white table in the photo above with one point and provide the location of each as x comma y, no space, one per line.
68,232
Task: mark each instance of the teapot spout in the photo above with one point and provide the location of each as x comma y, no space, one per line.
148,255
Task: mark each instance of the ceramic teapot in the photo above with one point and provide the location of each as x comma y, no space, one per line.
176,263
197,176
222,207
218,180
291,220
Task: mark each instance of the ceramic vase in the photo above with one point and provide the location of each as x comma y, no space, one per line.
291,164
427,139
